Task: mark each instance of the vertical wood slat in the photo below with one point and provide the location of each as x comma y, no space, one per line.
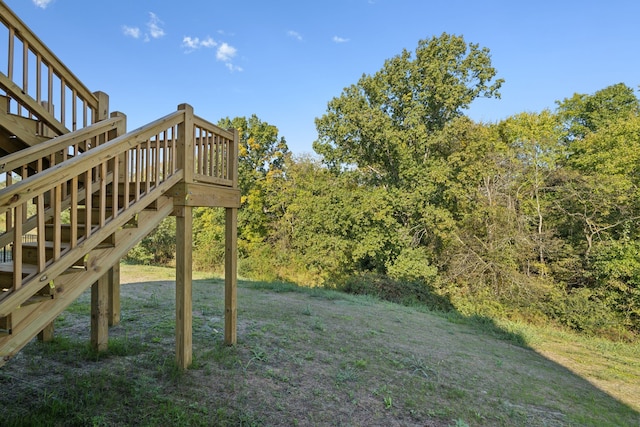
39,78
10,51
127,179
87,203
115,202
63,98
17,247
138,172
156,167
73,212
174,157
103,194
41,241
147,171
9,217
57,222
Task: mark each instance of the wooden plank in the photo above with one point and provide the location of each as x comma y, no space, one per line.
230,276
213,180
23,128
184,321
114,294
195,194
100,314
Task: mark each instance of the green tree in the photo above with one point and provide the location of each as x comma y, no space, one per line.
383,122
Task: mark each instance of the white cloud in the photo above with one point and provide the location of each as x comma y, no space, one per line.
189,44
42,3
208,42
131,31
337,39
226,52
154,26
296,35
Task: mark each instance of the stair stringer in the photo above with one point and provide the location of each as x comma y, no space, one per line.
69,287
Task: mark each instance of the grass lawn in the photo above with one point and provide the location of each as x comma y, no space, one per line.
314,357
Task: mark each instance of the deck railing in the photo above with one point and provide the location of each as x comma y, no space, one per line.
139,166
39,84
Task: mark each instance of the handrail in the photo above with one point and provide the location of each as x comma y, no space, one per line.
34,61
68,145
145,162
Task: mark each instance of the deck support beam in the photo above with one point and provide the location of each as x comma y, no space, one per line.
230,276
184,313
99,314
114,294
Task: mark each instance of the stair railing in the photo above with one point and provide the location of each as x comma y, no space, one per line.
18,166
145,163
41,84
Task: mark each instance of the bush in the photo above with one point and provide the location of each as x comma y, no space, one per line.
409,293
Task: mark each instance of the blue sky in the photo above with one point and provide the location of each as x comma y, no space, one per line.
283,60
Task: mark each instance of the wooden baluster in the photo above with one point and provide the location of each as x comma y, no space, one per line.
138,172
103,194
17,247
57,222
73,212
88,191
157,161
147,172
114,188
40,238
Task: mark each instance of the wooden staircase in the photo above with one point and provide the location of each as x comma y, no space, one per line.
86,191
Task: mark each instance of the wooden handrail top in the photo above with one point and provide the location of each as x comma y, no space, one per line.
207,125
16,194
28,155
23,32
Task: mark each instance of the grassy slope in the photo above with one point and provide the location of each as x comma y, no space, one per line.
312,357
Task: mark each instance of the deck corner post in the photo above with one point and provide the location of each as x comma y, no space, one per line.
230,276
184,305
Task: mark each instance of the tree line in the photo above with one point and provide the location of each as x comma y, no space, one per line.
533,217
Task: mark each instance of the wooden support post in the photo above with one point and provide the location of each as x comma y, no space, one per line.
184,239
114,295
46,335
230,276
103,106
99,314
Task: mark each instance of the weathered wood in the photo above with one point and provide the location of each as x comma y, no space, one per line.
99,314
230,276
184,321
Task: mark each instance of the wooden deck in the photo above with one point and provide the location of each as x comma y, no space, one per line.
89,190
